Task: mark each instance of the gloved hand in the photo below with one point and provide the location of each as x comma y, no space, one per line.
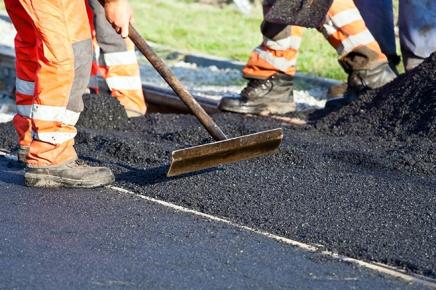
119,14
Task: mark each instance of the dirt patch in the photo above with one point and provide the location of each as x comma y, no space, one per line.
404,108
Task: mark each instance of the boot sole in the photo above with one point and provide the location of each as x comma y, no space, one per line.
278,108
44,180
242,109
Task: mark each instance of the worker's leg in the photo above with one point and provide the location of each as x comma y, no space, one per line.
63,62
417,21
25,48
277,53
119,59
379,18
359,53
62,74
346,31
270,71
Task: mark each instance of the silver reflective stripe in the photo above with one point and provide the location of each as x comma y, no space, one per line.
346,17
283,44
339,20
329,28
49,113
279,63
70,118
124,83
53,137
24,110
353,41
120,58
25,87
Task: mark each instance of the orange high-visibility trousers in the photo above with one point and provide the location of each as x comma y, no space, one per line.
344,28
53,49
117,63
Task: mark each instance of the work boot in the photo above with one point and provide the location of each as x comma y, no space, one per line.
361,80
273,95
22,154
72,174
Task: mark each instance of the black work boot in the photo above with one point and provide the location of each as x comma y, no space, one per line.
361,80
273,95
72,174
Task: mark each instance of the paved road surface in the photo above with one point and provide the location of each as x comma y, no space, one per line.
82,239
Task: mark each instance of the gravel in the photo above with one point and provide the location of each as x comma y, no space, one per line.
216,83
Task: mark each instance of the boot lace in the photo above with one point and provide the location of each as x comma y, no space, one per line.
76,163
252,85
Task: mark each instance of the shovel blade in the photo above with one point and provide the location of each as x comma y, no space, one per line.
224,152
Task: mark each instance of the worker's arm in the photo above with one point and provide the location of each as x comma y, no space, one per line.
119,14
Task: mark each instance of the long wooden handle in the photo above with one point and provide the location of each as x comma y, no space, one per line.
176,85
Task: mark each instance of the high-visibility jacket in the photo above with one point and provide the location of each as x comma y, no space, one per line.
53,60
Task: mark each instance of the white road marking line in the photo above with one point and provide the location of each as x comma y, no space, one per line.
7,154
378,267
375,266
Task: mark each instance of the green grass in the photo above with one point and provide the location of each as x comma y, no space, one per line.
199,28
192,27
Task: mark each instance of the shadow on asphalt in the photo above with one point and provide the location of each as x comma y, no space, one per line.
11,172
145,177
155,175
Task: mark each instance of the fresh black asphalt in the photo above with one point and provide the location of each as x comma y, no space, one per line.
361,182
363,197
94,239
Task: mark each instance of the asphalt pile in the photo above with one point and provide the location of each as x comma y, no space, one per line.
406,107
365,195
98,109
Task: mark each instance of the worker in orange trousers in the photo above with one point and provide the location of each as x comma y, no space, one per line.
53,62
